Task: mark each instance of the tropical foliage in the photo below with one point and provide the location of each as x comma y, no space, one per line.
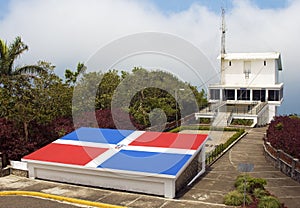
26,99
8,56
37,106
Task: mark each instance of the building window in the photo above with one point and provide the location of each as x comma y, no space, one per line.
247,68
228,95
229,63
259,95
243,94
265,63
274,95
214,94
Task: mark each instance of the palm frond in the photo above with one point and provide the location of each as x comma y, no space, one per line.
17,47
33,69
3,57
15,50
3,48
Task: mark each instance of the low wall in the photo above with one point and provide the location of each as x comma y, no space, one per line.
283,161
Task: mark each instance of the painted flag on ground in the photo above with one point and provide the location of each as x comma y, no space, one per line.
122,150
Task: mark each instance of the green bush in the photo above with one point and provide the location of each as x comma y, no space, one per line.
205,120
235,198
269,202
259,193
233,138
244,122
255,183
240,180
251,183
205,128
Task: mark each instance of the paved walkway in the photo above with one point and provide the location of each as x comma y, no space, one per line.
207,192
220,178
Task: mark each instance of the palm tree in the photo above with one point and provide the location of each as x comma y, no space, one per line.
8,55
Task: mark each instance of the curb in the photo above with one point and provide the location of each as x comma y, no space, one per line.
58,198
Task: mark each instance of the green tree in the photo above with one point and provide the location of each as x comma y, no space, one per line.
139,92
85,91
150,90
109,83
71,77
34,98
9,54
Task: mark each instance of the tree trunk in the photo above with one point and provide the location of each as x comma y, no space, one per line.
25,126
141,106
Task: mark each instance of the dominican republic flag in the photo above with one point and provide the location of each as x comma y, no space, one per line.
122,150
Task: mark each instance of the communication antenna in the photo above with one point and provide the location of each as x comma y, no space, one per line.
223,28
223,51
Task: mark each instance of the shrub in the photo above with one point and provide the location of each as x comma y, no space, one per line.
240,180
233,138
243,122
235,198
205,120
259,193
269,202
251,183
284,133
205,128
256,195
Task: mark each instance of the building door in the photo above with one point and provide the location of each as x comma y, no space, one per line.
247,68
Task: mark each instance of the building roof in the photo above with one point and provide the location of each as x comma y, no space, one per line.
122,150
251,56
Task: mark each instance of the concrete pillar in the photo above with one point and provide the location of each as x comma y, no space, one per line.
221,95
235,94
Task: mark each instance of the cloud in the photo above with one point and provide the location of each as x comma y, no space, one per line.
68,31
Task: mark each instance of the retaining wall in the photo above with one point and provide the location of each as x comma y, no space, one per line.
283,161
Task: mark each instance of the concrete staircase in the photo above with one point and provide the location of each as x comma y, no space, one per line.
221,119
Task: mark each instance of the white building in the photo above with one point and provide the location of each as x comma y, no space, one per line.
249,88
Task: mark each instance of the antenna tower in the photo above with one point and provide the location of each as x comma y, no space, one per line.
223,29
223,33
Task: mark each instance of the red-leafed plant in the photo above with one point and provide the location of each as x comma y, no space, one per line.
12,139
284,133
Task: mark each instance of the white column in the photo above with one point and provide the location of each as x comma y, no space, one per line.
221,94
235,94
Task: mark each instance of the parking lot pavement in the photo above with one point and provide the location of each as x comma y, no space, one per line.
105,196
31,202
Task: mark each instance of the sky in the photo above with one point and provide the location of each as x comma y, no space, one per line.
65,32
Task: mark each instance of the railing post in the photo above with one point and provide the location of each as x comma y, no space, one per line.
294,162
3,160
278,159
265,137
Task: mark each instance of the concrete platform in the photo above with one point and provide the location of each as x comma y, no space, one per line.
156,163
